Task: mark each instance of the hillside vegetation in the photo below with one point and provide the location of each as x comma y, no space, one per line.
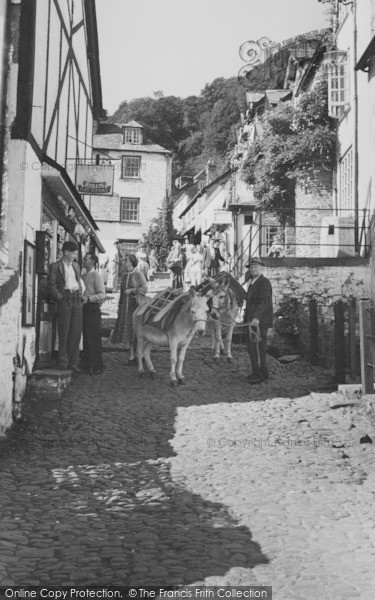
196,128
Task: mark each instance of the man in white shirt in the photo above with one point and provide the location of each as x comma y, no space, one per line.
65,287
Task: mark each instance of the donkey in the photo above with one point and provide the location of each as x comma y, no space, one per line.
176,325
227,300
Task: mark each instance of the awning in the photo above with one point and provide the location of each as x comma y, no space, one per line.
242,207
59,184
364,62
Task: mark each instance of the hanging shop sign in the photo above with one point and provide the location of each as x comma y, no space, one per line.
95,180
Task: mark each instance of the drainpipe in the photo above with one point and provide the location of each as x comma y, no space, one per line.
356,161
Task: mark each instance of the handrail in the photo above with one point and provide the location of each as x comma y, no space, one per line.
363,232
243,253
254,242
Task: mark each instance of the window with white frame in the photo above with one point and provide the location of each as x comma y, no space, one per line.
270,231
346,182
131,167
129,210
132,135
129,246
338,85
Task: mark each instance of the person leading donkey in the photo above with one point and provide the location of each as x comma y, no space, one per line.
259,316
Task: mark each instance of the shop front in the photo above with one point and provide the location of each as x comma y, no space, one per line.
64,218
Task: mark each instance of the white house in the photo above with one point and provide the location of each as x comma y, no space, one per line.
353,101
142,181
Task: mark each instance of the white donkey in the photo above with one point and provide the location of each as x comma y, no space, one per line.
176,325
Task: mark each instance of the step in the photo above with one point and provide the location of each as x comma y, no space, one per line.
48,383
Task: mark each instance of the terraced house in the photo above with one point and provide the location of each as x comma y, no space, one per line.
50,81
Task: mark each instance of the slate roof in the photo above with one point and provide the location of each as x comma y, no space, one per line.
194,191
190,192
274,96
114,142
133,124
254,97
109,137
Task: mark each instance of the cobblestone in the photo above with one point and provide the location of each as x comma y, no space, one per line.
132,482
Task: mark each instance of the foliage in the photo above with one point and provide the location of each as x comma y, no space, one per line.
196,128
287,320
161,233
297,141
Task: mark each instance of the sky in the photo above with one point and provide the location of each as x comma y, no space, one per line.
178,46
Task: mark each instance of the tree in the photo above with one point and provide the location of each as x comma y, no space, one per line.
196,128
161,233
297,141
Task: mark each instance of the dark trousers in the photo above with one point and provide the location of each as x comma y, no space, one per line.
177,277
92,356
257,352
69,326
213,269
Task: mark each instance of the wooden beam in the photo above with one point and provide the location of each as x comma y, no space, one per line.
57,101
26,59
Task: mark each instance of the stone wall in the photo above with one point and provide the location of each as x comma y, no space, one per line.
327,283
313,204
326,280
9,320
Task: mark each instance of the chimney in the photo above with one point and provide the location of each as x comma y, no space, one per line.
210,170
183,181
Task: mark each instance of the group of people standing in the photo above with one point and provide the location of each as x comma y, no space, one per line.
112,265
190,263
78,299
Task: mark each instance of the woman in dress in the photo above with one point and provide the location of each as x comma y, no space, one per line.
174,263
153,264
133,286
196,266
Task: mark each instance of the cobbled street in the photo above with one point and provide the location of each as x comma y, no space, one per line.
129,481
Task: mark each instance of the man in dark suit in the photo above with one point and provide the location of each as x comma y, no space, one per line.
65,288
259,316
